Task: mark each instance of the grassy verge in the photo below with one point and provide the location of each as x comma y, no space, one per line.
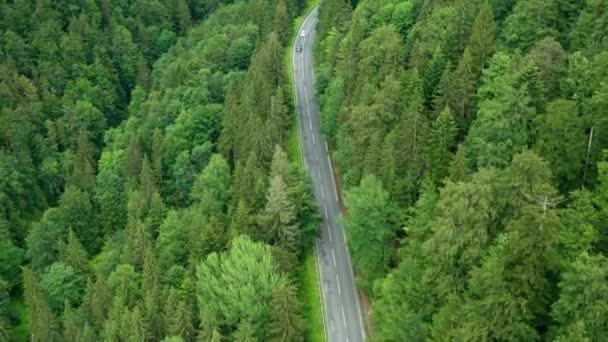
309,295
307,274
18,310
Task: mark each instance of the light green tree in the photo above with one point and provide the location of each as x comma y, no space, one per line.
370,228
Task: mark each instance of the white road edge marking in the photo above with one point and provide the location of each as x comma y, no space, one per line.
333,254
326,148
339,290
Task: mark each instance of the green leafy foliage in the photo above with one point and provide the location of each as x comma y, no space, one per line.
139,145
369,227
480,119
144,187
62,284
239,284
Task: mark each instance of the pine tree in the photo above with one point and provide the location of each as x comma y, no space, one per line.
460,30
5,327
442,92
125,284
110,196
75,255
78,215
277,223
346,67
83,174
216,336
151,302
150,271
151,296
134,328
530,21
134,158
432,75
462,86
286,324
177,316
409,144
43,326
137,242
156,214
582,299
97,301
562,141
443,135
481,42
71,325
281,21
147,183
112,330
277,117
242,222
231,121
182,15
157,155
458,169
245,332
207,327
250,183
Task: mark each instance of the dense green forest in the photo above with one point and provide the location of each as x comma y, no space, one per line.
471,139
144,193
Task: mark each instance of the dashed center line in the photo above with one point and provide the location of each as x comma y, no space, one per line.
331,239
322,192
344,316
325,208
339,289
333,254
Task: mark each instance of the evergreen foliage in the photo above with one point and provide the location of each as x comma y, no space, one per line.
467,136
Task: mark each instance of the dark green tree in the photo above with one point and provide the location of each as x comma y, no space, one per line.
582,299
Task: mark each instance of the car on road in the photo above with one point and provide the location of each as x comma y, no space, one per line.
303,34
299,48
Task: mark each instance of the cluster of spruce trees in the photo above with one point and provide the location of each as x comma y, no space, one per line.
470,135
144,195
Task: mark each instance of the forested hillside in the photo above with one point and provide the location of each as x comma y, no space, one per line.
144,193
470,137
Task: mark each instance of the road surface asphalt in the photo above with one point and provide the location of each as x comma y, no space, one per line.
342,312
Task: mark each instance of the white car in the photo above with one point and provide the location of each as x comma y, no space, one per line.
303,34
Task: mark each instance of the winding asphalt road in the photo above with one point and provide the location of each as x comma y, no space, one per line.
342,312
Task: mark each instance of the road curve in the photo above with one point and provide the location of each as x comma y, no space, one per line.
342,312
